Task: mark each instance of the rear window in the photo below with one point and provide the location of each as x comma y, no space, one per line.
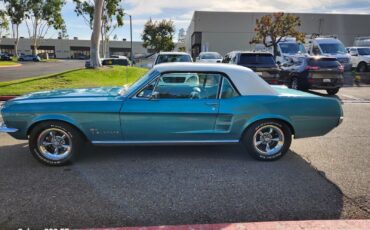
256,59
173,58
210,56
324,62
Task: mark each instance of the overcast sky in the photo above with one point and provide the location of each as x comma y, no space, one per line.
181,11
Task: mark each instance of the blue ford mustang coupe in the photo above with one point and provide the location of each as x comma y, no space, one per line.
182,103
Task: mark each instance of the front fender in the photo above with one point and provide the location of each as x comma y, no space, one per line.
54,117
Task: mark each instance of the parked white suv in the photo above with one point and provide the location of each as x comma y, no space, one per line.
360,58
331,47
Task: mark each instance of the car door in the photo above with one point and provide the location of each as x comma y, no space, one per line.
175,107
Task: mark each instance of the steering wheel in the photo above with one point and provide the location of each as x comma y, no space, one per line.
196,93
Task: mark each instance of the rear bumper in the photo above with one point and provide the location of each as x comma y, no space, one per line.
320,84
4,129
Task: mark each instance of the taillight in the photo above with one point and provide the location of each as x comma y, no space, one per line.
312,67
341,68
273,81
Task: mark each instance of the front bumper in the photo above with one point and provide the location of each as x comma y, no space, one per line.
4,129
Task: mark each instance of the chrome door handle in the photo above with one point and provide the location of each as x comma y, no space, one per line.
212,103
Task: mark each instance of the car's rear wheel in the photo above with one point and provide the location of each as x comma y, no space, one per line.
54,143
267,140
332,91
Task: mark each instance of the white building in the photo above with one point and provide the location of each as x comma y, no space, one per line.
227,31
74,49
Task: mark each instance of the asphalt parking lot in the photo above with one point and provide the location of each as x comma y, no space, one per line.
320,178
32,69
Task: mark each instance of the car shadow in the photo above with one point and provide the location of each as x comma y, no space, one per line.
162,185
324,94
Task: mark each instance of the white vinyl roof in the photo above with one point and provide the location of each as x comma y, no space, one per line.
245,80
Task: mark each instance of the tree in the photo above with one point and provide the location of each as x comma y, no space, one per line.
3,23
271,29
112,17
42,15
159,35
95,35
16,11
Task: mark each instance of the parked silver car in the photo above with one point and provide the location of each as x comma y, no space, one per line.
29,57
209,57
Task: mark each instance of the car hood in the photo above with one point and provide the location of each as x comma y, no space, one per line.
73,93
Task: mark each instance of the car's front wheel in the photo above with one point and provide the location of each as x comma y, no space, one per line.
267,140
54,143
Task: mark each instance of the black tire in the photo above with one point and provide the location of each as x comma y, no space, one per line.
294,83
362,67
252,131
332,91
74,136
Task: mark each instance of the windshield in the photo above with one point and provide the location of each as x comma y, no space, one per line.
128,89
292,48
173,58
364,51
333,48
256,59
210,56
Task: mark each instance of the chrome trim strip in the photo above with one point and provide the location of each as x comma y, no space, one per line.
181,142
4,129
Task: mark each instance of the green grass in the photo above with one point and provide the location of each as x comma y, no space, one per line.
108,76
8,63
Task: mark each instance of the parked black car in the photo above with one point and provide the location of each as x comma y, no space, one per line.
313,73
5,57
262,63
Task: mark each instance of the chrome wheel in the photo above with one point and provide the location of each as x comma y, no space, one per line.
268,140
54,144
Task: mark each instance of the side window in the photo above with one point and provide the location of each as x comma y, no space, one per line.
187,86
227,90
147,91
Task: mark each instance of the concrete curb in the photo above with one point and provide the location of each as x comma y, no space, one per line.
273,225
6,98
11,66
